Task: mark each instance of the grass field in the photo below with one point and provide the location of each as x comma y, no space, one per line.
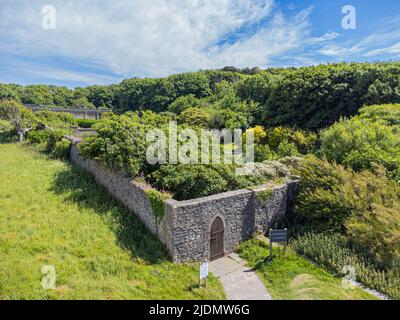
290,277
53,214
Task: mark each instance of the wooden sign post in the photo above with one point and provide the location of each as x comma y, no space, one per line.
278,236
203,273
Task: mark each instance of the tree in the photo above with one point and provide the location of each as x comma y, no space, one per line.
21,118
82,103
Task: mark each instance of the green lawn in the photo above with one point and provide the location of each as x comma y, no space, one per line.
53,214
290,277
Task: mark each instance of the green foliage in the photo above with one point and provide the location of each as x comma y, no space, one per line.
315,97
365,206
185,102
61,149
38,136
21,118
263,196
307,97
157,201
6,131
365,140
389,114
83,103
120,143
262,152
333,252
55,120
287,149
195,117
187,182
86,123
53,137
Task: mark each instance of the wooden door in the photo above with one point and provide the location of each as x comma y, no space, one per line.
217,239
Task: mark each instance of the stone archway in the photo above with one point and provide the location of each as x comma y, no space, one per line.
217,239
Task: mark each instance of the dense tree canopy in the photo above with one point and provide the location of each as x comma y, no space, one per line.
308,97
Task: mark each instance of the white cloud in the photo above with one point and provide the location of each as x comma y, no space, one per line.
153,38
384,40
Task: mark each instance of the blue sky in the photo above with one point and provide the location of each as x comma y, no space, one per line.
103,42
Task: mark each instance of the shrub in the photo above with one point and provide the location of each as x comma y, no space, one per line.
365,206
7,131
277,136
287,149
189,181
388,113
86,123
38,136
363,141
195,117
120,143
53,137
55,120
61,149
260,135
262,152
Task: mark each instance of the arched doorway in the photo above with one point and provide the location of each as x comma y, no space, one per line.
217,239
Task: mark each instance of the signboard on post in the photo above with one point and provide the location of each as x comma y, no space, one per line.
203,272
278,236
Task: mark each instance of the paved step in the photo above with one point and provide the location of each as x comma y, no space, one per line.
239,281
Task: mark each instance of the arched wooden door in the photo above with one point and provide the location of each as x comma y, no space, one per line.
217,239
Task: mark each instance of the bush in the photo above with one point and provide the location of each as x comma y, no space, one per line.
120,143
189,181
195,117
363,141
262,153
7,131
365,206
389,114
53,137
287,149
55,120
61,149
38,136
86,123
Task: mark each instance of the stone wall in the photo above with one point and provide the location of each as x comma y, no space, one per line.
243,212
185,228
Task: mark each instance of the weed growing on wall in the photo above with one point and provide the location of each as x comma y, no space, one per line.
157,201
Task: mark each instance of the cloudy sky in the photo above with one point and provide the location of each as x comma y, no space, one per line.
102,42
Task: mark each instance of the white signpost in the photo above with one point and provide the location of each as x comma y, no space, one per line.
203,272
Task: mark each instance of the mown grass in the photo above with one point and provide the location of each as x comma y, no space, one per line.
53,214
291,277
